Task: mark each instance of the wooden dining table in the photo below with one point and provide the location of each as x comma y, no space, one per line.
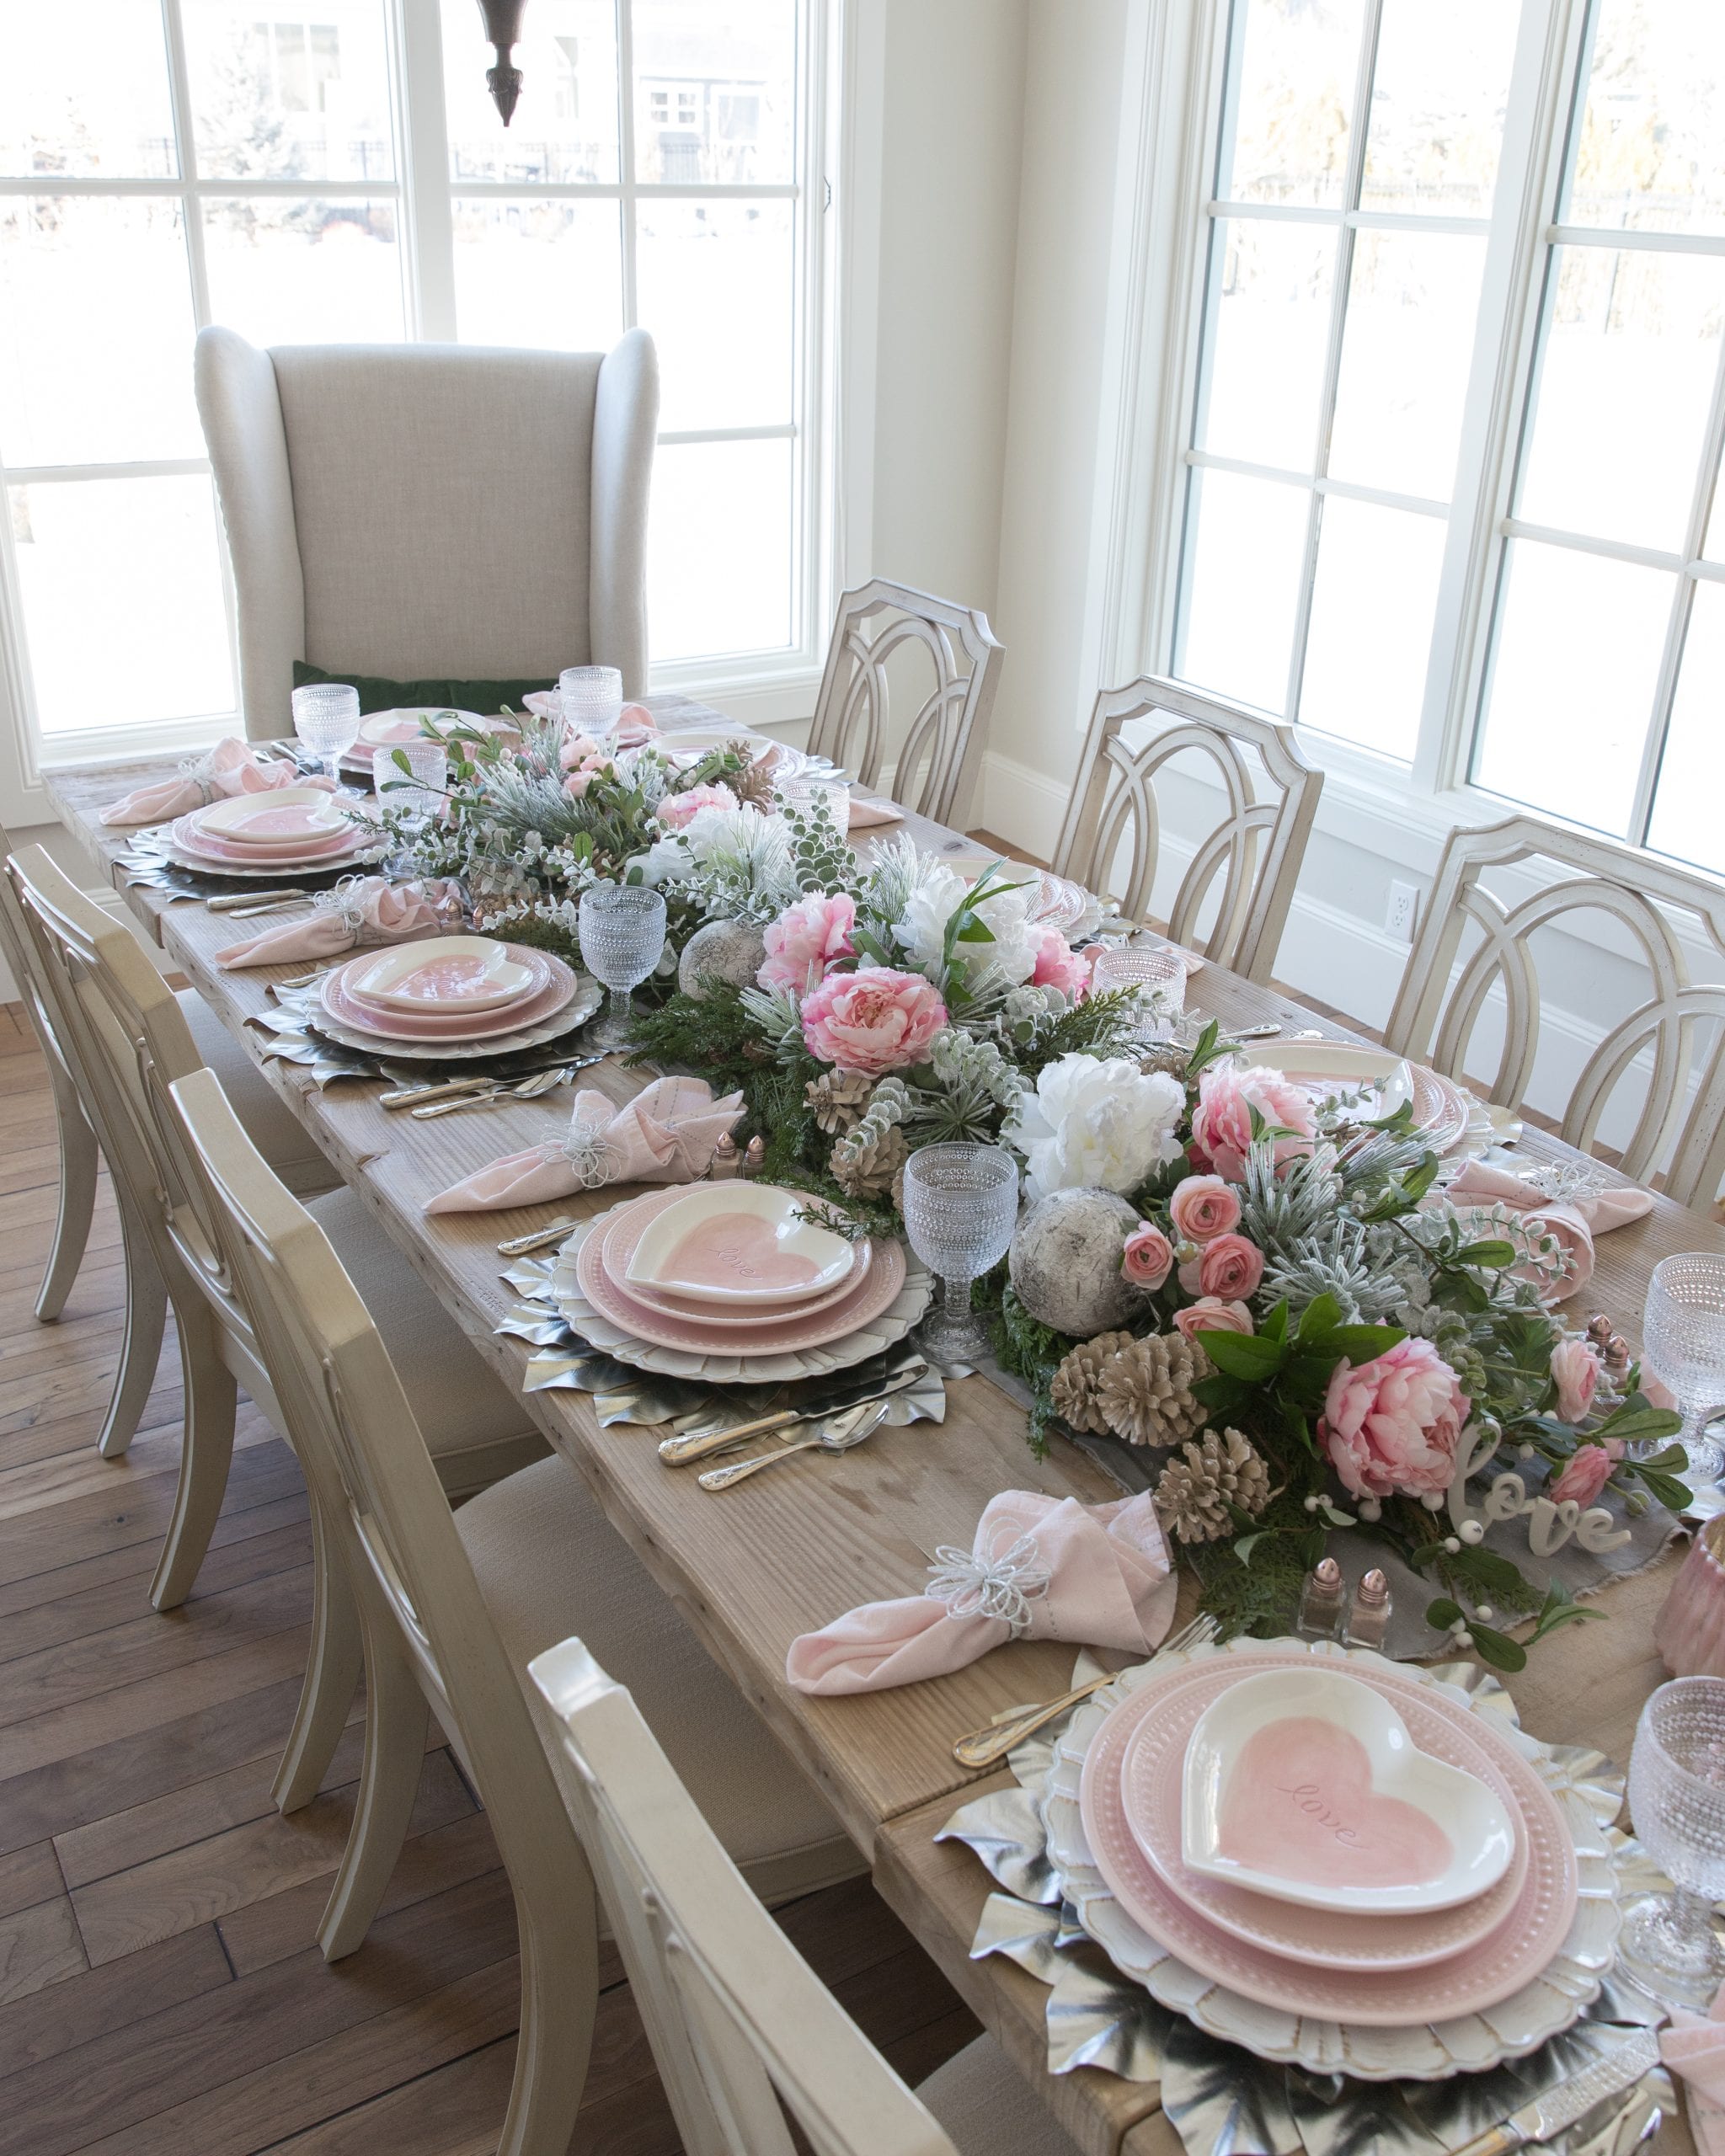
751,1568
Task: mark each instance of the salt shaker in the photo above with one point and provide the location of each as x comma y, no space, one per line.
725,1162
1324,1601
1370,1624
756,1158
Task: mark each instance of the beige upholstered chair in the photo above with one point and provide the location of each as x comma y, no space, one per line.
1654,906
889,635
739,2022
1269,796
452,1607
430,510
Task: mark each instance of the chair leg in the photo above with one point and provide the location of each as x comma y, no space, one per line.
141,1346
79,1160
333,1667
559,2001
211,1397
389,1782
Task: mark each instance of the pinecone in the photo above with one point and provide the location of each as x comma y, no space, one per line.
1193,1494
1169,1057
871,1167
839,1098
1145,1394
753,784
1073,1388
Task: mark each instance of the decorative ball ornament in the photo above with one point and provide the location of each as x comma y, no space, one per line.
724,950
1064,1261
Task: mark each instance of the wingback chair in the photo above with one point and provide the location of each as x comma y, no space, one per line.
419,511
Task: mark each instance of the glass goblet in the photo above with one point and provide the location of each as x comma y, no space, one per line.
590,700
421,786
1677,1800
1157,974
1682,1336
960,1204
812,794
621,931
326,717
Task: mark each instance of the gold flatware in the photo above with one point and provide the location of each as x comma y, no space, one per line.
529,1089
987,1747
680,1451
837,1433
408,1097
540,1239
229,901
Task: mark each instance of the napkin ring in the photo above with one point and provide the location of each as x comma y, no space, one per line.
592,1157
974,1584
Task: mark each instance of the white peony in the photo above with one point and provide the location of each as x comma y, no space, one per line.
1096,1123
936,898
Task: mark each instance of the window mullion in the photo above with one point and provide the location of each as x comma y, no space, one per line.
190,208
626,150
428,214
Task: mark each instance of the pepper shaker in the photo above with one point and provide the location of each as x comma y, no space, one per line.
756,1158
725,1162
1324,1601
1369,1624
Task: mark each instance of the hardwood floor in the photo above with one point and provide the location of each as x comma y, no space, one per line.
160,1994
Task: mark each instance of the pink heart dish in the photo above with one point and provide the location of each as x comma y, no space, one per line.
741,1244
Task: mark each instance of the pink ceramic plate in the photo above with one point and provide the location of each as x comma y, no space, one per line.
1468,1981
1151,1777
603,1254
233,853
680,1306
555,985
263,819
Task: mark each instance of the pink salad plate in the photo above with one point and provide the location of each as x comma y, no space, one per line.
267,819
602,1257
705,1313
236,853
553,986
1469,1980
1151,1770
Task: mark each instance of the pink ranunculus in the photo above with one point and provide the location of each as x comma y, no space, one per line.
1575,1371
1393,1425
575,750
807,940
1058,965
1586,1472
575,783
871,1020
678,810
1210,1313
1148,1257
1203,1207
1222,1126
1229,1269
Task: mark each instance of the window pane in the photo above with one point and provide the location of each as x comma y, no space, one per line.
1648,157
1437,95
1244,558
1294,105
1625,381
1371,624
86,96
1272,318
292,99
96,331
718,571
715,285
1686,820
546,272
1412,302
715,91
122,600
565,126
284,272
1579,639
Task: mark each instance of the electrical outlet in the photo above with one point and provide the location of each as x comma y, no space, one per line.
1401,912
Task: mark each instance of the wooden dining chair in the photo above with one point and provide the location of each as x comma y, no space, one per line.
890,633
453,1605
1256,830
132,1040
1670,1046
743,2030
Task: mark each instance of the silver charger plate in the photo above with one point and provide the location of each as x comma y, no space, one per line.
894,1322
576,1012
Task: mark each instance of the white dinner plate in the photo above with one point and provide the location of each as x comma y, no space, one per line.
254,819
741,1245
443,973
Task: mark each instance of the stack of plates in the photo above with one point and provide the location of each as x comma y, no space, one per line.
452,997
292,831
1383,1082
389,729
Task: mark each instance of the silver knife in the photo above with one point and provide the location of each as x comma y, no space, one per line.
691,1445
1559,2108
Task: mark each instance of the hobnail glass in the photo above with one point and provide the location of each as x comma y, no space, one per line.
590,700
960,1205
1156,972
1677,1802
1683,1343
326,717
621,931
421,786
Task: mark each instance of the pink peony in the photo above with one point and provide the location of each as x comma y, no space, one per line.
807,940
678,810
1586,1472
1221,1127
1058,965
1393,1424
1229,1269
875,1020
1148,1259
1211,1315
1203,1207
1575,1372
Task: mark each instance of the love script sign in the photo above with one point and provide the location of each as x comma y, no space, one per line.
1549,1526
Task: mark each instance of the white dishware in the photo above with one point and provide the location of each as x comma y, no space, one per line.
740,1245
1386,1080
251,818
442,973
389,729
1306,1786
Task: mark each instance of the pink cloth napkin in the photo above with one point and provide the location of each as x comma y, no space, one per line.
667,1134
365,910
231,767
866,815
1693,2045
1572,1226
1040,1568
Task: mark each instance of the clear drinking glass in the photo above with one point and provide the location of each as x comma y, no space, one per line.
590,700
326,717
621,929
961,1203
1157,972
808,791
1683,1340
1677,1800
421,786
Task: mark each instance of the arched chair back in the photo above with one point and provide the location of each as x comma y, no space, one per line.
888,634
1242,872
1670,1045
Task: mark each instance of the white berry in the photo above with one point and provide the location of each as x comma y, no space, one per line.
1433,1500
1472,1531
1482,1616
1312,1504
1464,1639
1452,1542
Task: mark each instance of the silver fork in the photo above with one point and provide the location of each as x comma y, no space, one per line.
529,1089
838,1434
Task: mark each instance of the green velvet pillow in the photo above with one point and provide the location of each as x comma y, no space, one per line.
487,698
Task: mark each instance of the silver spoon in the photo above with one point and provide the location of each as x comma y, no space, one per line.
838,1434
529,1089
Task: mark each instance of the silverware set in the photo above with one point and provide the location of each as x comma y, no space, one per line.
243,904
525,1089
836,1434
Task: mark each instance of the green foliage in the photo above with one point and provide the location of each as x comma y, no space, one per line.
1276,1378
1252,1585
1030,1349
1096,1027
